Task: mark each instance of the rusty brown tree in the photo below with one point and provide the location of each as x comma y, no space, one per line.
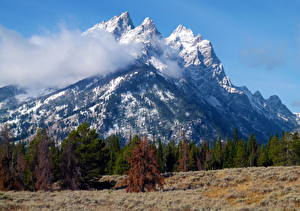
184,156
43,169
144,171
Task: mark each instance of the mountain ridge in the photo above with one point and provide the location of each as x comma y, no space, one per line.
191,92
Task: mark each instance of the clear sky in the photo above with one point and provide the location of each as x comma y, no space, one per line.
257,41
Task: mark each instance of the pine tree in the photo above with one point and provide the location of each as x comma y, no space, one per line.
263,159
122,165
229,154
31,156
114,148
183,155
144,172
55,159
295,147
205,155
160,157
241,159
277,151
91,153
194,158
70,168
43,169
171,156
20,166
6,159
217,155
252,151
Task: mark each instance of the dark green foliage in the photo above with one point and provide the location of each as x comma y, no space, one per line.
229,154
160,156
252,151
55,159
122,165
194,163
79,161
91,153
70,167
241,158
171,155
277,151
217,155
114,147
263,158
184,150
295,148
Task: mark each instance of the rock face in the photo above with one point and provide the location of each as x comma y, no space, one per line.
175,84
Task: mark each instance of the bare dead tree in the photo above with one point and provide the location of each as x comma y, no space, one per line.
144,171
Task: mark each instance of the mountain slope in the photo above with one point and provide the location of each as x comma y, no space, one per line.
176,83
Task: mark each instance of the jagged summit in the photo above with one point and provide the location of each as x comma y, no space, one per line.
148,23
183,34
144,33
117,25
274,99
175,83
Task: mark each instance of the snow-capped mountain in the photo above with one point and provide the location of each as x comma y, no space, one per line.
176,83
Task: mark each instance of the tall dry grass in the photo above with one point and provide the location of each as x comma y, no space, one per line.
272,188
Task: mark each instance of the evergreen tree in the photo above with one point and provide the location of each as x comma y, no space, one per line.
183,155
194,158
229,154
6,159
91,152
20,167
252,151
171,156
205,156
241,159
70,167
277,151
44,167
295,147
122,165
32,159
160,156
114,148
263,159
217,155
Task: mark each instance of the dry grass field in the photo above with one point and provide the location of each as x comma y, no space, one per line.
273,188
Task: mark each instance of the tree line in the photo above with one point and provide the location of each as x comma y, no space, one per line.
79,160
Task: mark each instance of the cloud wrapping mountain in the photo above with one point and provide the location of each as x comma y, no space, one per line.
59,59
167,86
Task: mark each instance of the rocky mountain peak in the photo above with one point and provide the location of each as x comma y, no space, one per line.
144,98
118,25
182,34
144,33
274,100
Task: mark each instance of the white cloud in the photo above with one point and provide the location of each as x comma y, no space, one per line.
59,59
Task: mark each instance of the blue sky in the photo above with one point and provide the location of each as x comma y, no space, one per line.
257,41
